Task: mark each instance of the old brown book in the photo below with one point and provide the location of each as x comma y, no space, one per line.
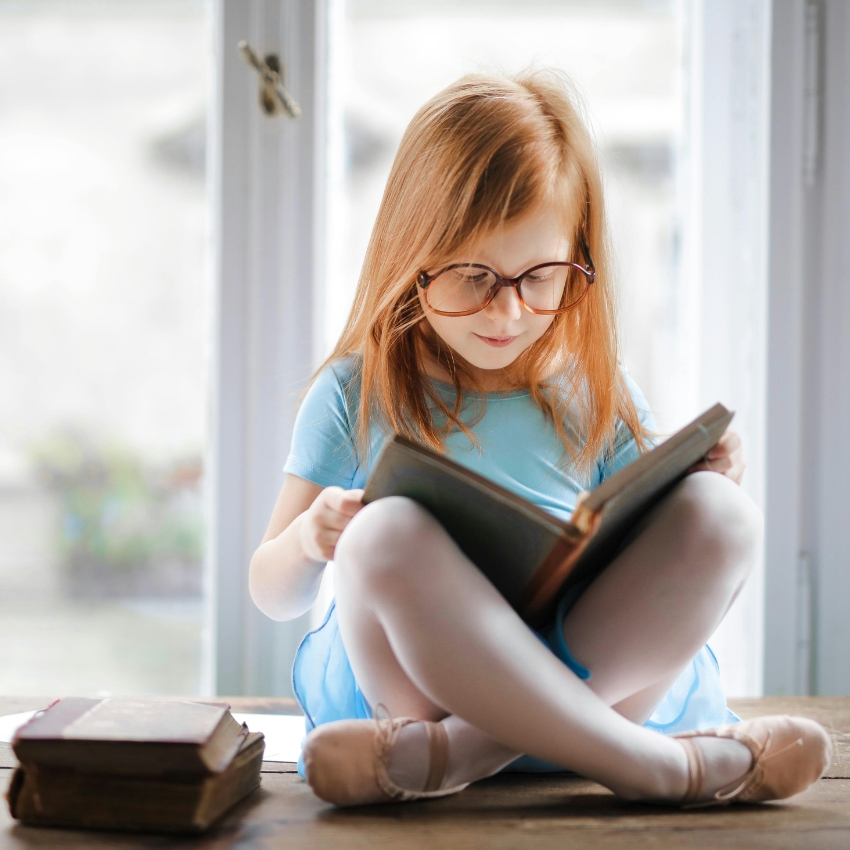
41,796
131,735
529,555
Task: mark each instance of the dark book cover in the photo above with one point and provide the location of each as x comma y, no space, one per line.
529,555
137,735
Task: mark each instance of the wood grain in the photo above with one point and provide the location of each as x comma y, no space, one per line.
508,812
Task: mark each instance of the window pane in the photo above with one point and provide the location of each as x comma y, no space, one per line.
102,345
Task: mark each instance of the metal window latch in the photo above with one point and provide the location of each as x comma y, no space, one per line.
274,97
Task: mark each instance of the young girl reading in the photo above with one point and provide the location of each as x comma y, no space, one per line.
483,326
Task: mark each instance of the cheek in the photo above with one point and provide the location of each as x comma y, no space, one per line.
538,325
452,330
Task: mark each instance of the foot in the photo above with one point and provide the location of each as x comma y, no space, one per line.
409,761
347,761
472,755
768,758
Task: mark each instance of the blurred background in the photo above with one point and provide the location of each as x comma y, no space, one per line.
105,296
104,304
173,264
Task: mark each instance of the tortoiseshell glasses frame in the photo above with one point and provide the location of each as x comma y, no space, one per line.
424,281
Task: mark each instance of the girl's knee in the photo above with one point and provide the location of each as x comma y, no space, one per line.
718,516
383,535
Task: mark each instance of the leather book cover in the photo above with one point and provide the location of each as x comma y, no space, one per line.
135,735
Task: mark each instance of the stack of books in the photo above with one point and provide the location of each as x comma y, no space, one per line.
135,764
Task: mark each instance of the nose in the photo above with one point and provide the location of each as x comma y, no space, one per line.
505,304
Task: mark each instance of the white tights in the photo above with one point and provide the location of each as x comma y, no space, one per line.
429,637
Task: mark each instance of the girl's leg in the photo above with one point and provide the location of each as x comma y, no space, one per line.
679,577
453,645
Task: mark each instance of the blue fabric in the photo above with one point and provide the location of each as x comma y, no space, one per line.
518,449
555,634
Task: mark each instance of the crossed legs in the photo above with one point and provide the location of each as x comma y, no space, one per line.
429,636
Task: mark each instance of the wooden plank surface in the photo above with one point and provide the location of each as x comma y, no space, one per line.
509,811
505,812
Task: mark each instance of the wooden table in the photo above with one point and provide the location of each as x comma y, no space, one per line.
508,811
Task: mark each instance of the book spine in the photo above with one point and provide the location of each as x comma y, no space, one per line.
550,575
583,517
543,590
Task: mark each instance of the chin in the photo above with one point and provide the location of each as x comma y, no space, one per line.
491,364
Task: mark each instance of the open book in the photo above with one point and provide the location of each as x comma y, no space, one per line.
531,556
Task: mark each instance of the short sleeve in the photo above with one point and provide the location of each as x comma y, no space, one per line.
322,443
625,446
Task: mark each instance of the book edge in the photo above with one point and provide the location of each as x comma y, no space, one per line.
600,495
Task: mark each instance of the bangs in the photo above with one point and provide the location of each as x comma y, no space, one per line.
501,159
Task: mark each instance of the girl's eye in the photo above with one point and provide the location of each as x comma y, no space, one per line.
476,276
540,276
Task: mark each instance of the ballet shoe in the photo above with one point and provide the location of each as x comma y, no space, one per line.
346,761
789,754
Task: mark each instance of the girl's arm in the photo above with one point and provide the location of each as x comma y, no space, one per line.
286,569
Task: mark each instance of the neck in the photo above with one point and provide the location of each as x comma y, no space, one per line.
474,378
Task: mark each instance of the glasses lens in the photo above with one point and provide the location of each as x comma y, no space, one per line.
460,289
553,287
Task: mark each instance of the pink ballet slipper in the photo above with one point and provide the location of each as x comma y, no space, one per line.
789,754
346,761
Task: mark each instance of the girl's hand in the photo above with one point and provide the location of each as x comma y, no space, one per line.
323,522
726,458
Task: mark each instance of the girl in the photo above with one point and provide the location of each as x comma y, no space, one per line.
483,326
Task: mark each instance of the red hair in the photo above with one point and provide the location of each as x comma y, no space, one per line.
485,151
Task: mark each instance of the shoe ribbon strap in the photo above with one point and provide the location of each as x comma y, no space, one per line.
696,770
438,755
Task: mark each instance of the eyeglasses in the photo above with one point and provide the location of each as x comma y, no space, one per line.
547,289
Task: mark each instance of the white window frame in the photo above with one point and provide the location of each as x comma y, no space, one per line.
724,264
807,628
267,182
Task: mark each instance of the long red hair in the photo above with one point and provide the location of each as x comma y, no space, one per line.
485,151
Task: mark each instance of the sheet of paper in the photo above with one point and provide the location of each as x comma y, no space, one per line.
283,733
10,723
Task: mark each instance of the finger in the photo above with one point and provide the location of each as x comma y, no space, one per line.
728,443
334,521
721,465
720,448
327,537
352,501
326,541
737,471
346,502
319,544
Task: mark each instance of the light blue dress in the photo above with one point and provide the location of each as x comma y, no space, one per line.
518,449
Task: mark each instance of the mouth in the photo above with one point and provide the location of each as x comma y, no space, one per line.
496,341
